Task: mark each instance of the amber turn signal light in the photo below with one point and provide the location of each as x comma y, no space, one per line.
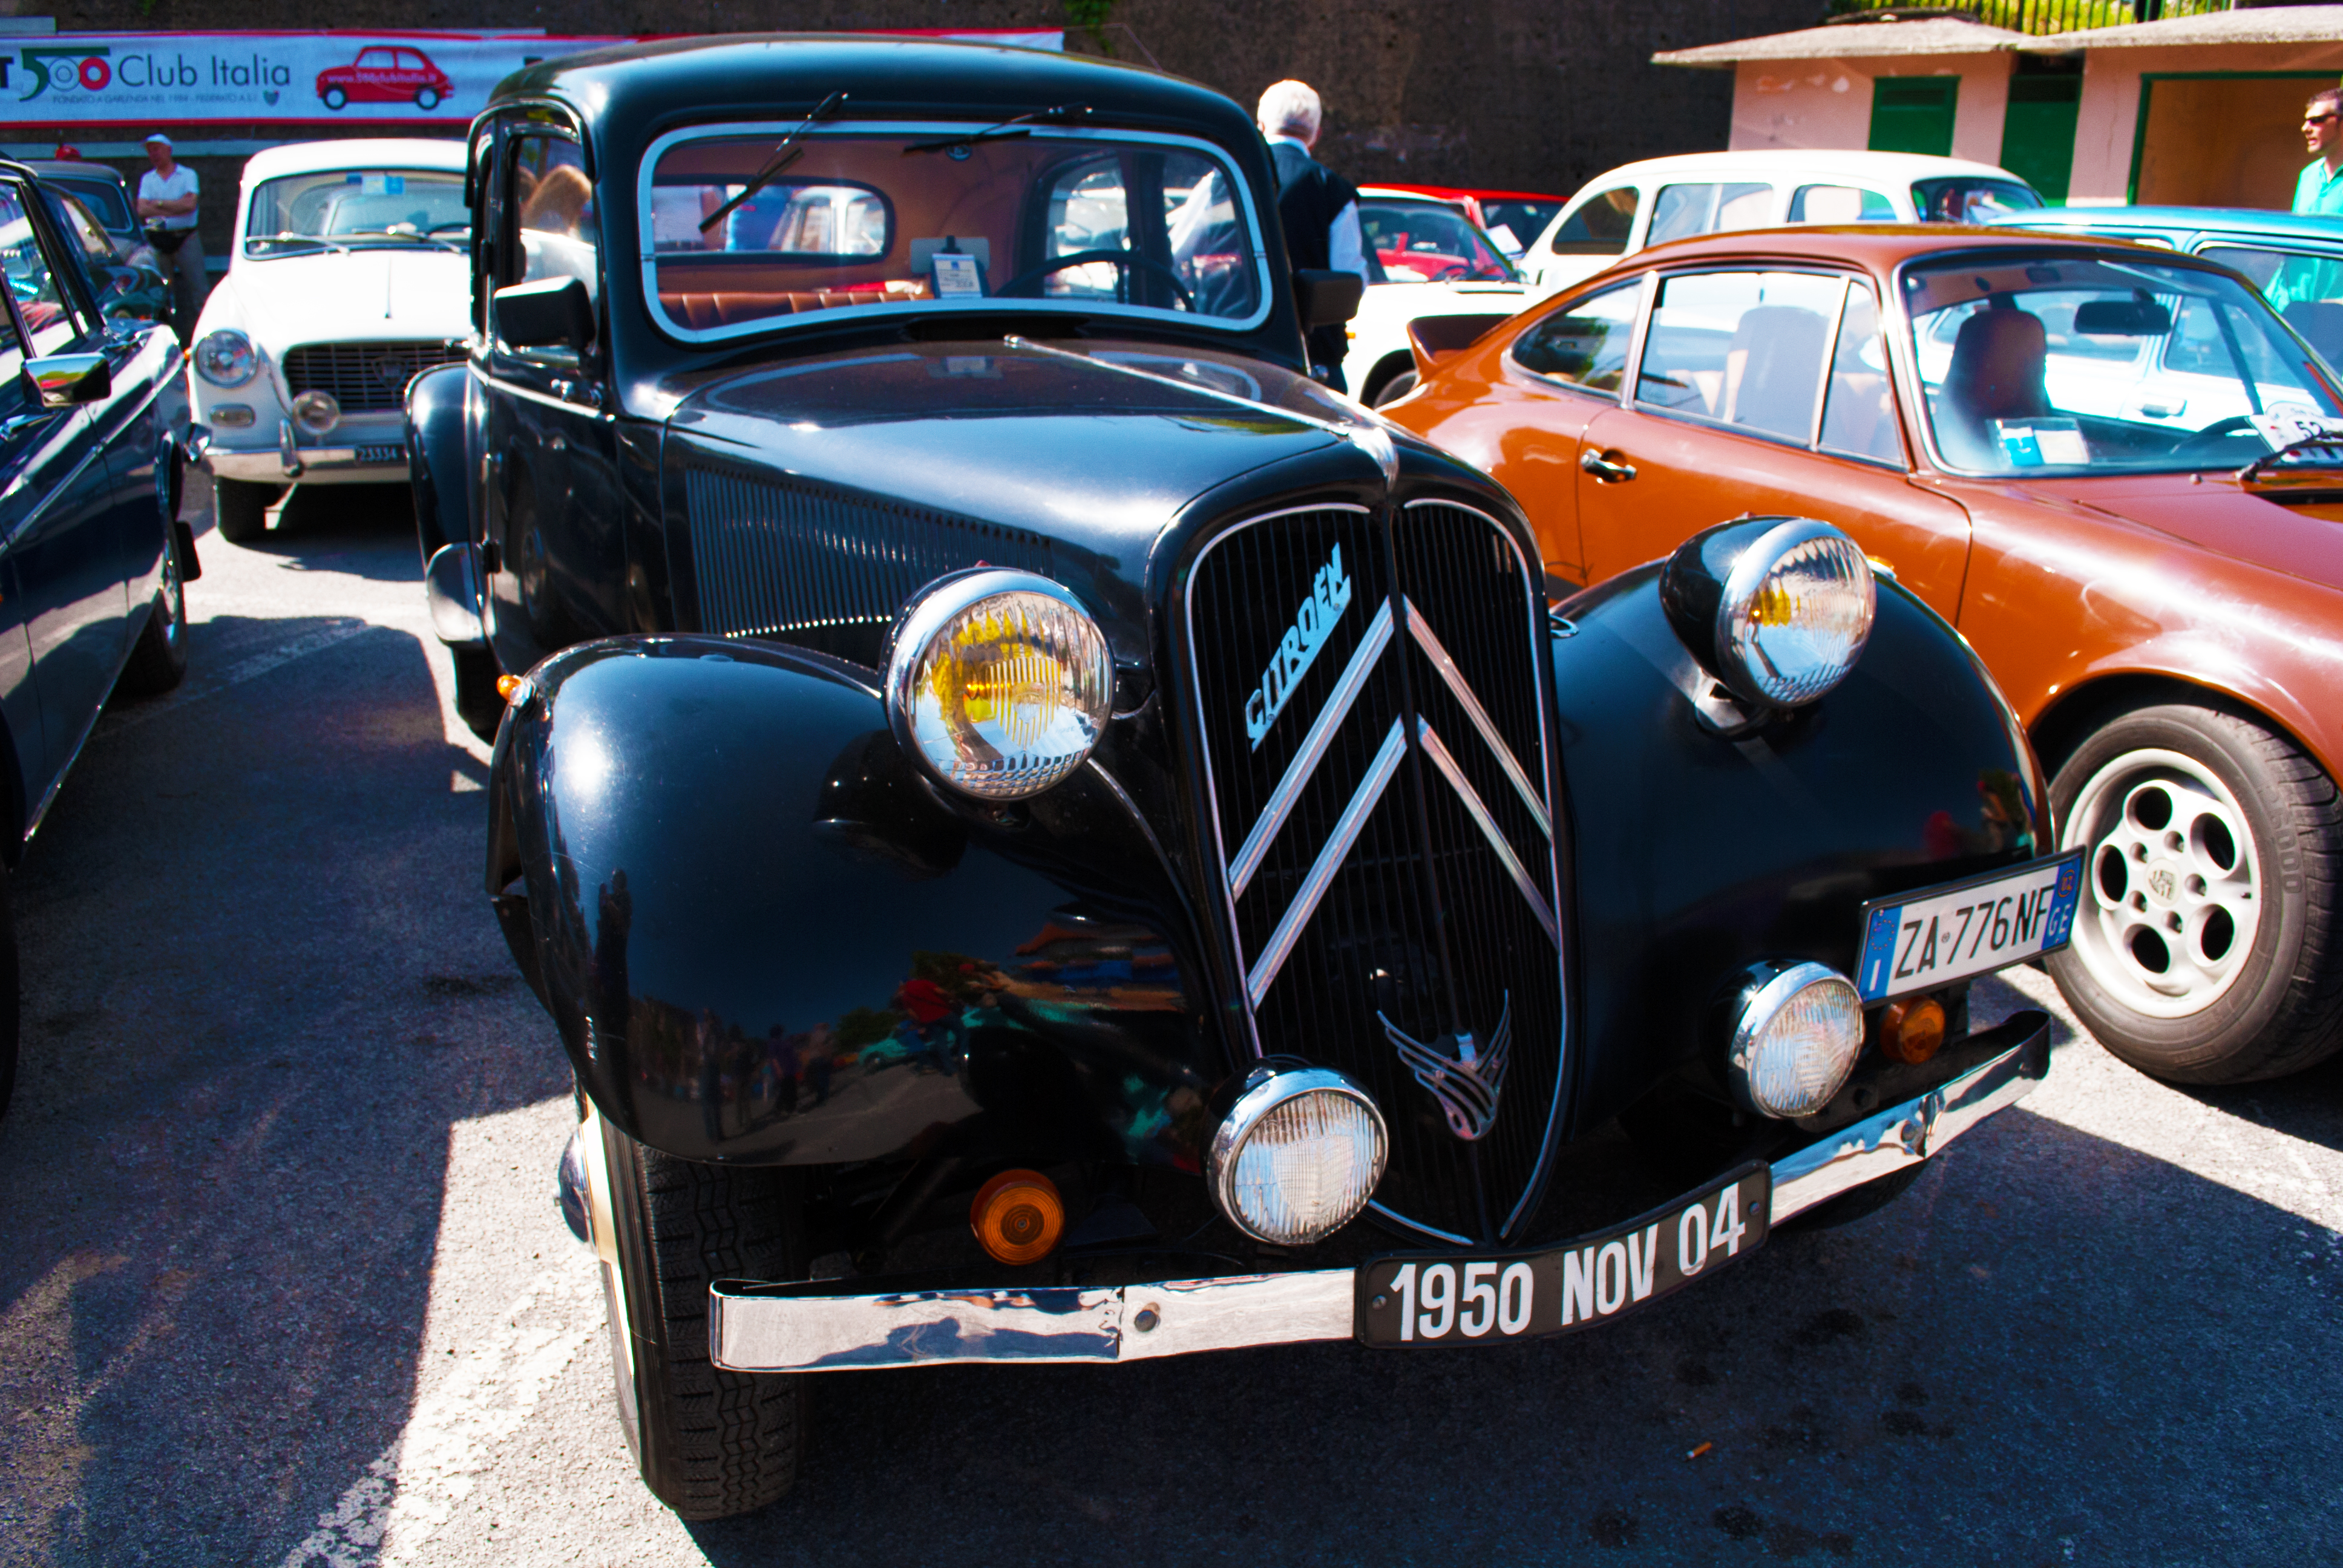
1910,1031
509,684
1018,1216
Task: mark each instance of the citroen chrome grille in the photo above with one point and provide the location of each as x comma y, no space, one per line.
1375,747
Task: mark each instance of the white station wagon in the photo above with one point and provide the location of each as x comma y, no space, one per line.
1660,200
350,275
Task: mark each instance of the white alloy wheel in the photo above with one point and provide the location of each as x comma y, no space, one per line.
2173,883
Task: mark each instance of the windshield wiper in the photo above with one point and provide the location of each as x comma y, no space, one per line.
1018,126
2328,444
401,237
785,152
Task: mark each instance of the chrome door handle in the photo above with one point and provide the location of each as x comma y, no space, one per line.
1605,471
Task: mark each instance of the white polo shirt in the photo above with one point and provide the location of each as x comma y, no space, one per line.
153,187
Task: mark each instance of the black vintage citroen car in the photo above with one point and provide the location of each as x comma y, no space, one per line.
1047,836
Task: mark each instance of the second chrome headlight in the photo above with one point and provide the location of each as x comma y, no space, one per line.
1778,608
999,682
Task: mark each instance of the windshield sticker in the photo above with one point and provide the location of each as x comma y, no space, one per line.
1313,623
2286,423
2032,443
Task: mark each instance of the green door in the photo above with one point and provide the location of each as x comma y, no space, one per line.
2037,139
1913,113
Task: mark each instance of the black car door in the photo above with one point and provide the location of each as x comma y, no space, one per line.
62,514
558,551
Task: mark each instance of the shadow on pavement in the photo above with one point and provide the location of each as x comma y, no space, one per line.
259,990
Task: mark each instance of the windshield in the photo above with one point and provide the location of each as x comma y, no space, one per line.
1055,219
2092,365
1427,242
104,199
346,209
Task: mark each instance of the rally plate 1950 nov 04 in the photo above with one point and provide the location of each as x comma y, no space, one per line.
1412,1299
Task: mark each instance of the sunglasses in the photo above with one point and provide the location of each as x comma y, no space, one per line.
2316,119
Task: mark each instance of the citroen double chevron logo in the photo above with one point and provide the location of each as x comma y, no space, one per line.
1372,642
1313,623
1466,1076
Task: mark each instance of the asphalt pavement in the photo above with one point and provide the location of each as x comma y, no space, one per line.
282,1280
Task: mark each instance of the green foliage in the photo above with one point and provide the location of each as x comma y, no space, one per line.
2038,15
1091,17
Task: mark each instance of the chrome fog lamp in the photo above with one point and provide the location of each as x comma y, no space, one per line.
1798,1032
1297,1156
998,682
316,412
1777,608
226,358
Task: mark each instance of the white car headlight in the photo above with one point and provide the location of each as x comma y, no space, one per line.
1778,608
1297,1156
226,358
1795,1040
999,682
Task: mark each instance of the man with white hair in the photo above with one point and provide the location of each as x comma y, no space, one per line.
1318,209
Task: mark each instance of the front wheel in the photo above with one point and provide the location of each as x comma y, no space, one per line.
334,97
426,98
240,510
710,1443
2205,947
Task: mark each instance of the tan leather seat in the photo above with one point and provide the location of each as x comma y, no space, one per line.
703,311
1998,361
1773,368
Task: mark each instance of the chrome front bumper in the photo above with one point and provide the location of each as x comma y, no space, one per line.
750,1331
368,462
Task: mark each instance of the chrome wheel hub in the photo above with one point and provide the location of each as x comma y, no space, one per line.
2175,882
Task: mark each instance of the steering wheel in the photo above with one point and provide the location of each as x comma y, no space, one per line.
459,223
2206,442
1123,258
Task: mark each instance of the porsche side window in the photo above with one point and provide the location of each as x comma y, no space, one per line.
1683,211
1599,226
1743,348
1859,408
39,300
553,204
1585,345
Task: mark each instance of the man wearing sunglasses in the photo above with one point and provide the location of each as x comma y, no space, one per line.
2320,188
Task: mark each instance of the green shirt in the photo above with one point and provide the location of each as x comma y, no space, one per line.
2318,191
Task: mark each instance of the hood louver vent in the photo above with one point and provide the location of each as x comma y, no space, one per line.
823,569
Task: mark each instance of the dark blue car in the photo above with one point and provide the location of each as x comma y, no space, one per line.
92,563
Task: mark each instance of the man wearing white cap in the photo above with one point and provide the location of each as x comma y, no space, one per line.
168,194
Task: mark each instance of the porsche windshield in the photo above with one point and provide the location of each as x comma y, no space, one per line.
337,209
2086,364
927,219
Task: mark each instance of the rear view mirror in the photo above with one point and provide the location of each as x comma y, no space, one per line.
1324,298
2122,318
552,312
68,380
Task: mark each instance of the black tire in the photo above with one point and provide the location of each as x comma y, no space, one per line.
1393,390
240,508
426,98
710,1443
159,662
10,999
477,702
334,97
1855,1203
2161,796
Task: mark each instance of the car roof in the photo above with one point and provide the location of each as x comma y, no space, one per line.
1811,162
1450,193
1878,247
66,169
2182,220
354,152
635,87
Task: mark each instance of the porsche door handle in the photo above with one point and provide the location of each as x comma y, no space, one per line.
1605,471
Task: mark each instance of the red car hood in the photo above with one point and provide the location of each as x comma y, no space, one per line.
2303,540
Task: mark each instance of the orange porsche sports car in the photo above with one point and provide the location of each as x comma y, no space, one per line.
2114,469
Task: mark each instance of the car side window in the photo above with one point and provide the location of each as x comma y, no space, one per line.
554,224
488,225
1682,211
1585,345
1859,406
40,297
1742,348
1599,225
1839,204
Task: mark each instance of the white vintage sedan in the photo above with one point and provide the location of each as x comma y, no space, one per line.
1424,257
350,275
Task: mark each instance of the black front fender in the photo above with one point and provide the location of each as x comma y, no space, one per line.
438,465
765,939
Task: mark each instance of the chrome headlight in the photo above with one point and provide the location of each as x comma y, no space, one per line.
1297,1156
316,412
999,682
1778,608
226,358
1798,1032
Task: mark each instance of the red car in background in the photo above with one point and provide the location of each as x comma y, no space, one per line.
385,74
1512,218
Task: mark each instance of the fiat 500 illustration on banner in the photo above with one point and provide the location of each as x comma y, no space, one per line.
347,278
1046,835
383,74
